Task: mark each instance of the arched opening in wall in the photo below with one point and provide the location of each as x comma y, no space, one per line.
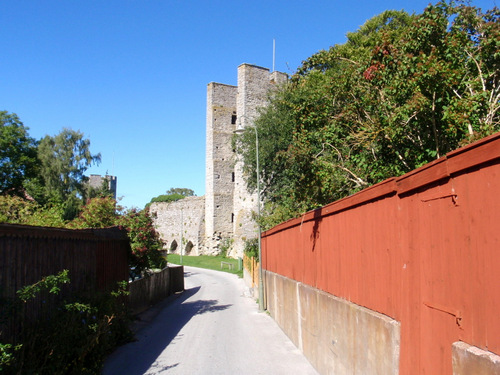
173,246
189,247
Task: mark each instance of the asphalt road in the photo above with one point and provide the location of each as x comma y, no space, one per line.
211,328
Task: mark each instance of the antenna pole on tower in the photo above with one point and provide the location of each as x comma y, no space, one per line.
274,53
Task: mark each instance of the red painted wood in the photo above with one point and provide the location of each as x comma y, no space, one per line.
423,249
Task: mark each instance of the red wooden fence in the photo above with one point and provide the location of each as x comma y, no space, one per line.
423,249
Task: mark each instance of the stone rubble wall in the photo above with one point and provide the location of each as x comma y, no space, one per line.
229,208
186,215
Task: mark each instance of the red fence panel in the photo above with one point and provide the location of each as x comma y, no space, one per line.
421,248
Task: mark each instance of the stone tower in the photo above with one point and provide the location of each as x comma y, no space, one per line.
219,176
97,180
228,204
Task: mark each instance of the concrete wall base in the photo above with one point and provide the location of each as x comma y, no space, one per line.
337,336
468,359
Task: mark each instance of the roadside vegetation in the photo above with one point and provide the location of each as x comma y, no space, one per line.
42,183
74,336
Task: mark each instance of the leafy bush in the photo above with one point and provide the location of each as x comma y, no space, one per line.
251,248
225,245
144,240
73,338
99,212
17,210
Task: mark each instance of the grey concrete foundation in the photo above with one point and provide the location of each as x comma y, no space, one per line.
468,359
337,336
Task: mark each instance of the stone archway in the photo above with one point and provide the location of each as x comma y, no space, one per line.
189,247
173,247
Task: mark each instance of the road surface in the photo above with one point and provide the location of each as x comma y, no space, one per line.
212,328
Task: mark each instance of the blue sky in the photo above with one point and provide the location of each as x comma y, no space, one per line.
132,74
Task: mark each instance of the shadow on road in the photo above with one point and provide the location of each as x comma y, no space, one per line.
164,321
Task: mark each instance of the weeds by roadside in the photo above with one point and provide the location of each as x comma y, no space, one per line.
70,336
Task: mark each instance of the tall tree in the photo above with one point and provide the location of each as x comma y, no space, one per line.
18,155
64,159
402,91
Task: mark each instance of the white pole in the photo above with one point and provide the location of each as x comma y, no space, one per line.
261,282
182,228
274,53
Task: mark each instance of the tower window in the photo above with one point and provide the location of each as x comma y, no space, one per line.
233,119
232,176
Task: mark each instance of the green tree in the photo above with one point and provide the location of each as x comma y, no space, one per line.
18,157
402,91
64,159
99,212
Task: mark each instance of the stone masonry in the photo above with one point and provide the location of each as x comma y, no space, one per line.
180,222
225,214
96,181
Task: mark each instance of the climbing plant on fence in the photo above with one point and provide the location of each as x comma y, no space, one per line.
74,335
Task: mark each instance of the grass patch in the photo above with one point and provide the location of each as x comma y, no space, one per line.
207,261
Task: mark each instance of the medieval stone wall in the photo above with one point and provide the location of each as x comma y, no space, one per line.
186,217
228,207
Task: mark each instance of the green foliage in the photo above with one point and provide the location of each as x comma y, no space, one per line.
18,157
225,246
7,355
17,210
167,198
64,159
401,92
50,172
144,240
74,338
50,283
182,191
100,212
173,194
251,248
